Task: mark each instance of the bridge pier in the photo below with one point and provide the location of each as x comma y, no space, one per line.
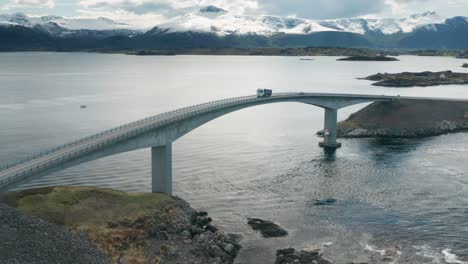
161,169
330,129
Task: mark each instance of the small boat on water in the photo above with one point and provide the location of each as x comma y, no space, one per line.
306,59
83,106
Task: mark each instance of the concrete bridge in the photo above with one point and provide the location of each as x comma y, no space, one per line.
158,132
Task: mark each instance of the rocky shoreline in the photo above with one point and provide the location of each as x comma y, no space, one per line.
97,226
422,79
406,119
119,228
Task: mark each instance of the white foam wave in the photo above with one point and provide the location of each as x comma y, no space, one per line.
452,258
391,255
374,249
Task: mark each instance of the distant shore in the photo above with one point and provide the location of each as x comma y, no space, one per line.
276,51
306,51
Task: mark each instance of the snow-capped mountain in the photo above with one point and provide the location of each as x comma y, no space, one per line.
386,26
213,27
218,21
20,19
212,19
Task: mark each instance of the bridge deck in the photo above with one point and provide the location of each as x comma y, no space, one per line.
26,167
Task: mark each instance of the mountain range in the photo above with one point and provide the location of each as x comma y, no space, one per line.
213,27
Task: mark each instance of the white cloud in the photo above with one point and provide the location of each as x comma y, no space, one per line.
151,12
148,13
169,6
322,9
143,21
29,4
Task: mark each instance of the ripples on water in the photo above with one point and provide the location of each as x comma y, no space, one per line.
402,199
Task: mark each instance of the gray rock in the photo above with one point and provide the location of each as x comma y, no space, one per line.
172,251
186,234
229,248
267,228
290,256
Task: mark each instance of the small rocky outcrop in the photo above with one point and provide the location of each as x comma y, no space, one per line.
329,201
152,53
267,228
291,256
465,65
368,58
422,79
406,119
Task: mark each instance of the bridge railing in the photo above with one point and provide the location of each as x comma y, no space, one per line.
163,119
198,109
112,130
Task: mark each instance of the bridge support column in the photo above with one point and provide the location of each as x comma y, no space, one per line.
161,169
330,129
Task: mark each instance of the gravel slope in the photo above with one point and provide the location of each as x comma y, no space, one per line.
29,240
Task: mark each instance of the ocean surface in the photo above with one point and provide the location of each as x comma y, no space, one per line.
400,201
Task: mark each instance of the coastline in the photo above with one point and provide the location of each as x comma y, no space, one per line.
125,227
271,51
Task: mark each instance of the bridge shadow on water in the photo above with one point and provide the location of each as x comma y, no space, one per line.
388,149
379,147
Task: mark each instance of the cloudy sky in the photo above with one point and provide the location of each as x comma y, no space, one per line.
151,12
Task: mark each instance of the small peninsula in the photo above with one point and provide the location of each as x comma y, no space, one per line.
368,58
422,79
406,119
109,226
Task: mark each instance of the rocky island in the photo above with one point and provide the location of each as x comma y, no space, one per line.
93,225
406,119
423,79
368,58
465,65
152,53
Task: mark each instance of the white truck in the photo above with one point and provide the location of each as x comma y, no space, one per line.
264,93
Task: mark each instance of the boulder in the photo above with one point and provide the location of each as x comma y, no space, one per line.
267,228
325,202
291,256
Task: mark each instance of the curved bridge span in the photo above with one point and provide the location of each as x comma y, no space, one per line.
158,132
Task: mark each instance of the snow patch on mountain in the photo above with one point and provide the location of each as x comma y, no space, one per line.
216,20
386,26
223,23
